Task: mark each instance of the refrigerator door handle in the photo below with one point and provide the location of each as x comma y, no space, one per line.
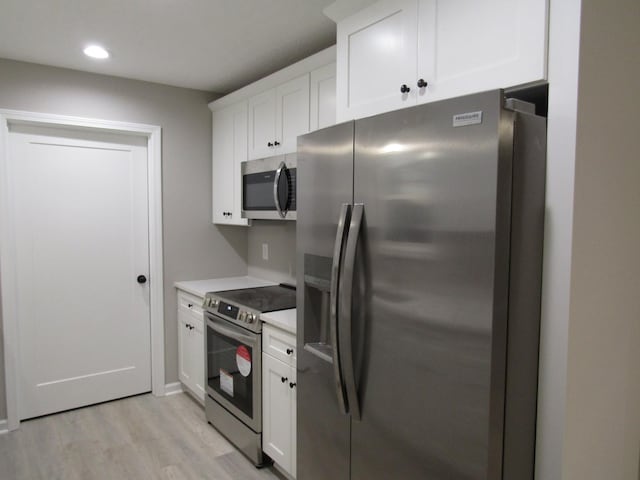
341,236
346,307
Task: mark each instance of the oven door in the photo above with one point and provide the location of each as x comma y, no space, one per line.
233,370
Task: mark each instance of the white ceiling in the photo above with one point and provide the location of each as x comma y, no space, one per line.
213,45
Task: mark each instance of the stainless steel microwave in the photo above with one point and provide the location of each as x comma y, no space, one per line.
269,188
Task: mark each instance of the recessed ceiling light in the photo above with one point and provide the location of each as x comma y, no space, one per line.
96,51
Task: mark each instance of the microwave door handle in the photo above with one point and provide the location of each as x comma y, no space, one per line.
341,235
231,332
346,309
276,182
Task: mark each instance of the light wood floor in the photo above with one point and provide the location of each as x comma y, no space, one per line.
141,437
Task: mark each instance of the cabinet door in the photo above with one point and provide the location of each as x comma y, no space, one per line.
294,421
276,412
185,358
467,46
376,55
323,97
292,113
229,149
196,342
262,121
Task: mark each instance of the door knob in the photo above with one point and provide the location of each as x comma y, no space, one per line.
141,279
422,83
404,88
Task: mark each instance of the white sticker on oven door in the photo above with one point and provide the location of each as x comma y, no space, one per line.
243,360
226,382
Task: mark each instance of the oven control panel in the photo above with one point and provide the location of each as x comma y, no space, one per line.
228,310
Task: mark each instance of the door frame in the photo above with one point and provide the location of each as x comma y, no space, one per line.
153,134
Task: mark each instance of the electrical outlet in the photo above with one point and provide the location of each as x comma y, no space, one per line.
265,251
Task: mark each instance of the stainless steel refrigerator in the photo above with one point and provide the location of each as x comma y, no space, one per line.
419,244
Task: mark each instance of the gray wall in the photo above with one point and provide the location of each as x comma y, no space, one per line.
281,238
193,247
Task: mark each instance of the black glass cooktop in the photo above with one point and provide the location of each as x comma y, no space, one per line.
262,299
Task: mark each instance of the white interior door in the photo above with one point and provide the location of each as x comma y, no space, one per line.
80,209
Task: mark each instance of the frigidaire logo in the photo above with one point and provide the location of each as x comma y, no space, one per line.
469,118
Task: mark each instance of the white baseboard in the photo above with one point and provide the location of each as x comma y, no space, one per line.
3,426
172,388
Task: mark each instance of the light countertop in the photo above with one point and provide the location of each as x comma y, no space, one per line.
284,319
201,287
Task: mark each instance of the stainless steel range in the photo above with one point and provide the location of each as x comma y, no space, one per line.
233,366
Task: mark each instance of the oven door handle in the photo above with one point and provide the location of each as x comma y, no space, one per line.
231,332
282,168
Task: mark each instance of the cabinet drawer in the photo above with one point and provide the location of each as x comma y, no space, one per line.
190,303
279,344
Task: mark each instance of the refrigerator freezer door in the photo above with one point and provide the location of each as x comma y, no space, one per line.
435,182
325,185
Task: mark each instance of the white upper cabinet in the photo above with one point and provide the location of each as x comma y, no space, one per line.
322,95
377,52
229,149
277,117
292,113
262,125
398,53
468,46
264,119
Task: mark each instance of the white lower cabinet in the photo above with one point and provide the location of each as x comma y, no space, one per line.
279,405
191,344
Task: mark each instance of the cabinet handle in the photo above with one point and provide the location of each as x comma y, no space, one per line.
291,385
422,83
283,379
289,351
269,144
276,143
404,88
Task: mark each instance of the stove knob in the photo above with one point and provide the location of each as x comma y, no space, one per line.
251,318
243,316
214,303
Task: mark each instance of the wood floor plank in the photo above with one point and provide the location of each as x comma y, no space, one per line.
142,437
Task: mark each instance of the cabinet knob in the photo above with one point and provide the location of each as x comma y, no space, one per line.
190,305
269,144
283,379
422,83
289,351
141,279
291,385
404,88
276,143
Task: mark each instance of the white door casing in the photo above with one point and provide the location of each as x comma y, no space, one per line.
15,299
